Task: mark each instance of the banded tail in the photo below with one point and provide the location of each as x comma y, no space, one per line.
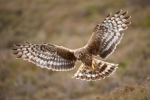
102,69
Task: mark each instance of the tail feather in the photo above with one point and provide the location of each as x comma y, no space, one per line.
102,69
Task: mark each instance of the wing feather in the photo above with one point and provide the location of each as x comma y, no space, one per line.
46,56
108,35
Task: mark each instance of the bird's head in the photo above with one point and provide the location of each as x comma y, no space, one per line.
79,53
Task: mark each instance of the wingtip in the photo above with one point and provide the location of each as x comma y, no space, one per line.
117,65
16,45
128,17
26,42
15,53
44,43
119,11
125,13
109,15
127,23
18,57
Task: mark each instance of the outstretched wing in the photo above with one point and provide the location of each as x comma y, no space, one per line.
107,36
46,56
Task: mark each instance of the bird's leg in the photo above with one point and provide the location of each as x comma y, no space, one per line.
93,66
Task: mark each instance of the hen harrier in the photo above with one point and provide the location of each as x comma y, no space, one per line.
105,37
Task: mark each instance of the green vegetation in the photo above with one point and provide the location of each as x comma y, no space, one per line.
146,22
70,24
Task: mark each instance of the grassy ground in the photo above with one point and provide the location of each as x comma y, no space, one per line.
70,23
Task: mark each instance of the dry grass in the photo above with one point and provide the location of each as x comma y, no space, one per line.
128,92
70,23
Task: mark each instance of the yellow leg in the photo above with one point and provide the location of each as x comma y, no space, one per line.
93,66
84,67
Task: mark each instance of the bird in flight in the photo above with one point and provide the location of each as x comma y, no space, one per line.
105,37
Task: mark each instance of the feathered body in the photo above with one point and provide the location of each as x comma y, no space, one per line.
84,56
104,39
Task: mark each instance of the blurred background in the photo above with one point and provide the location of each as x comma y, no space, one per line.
70,23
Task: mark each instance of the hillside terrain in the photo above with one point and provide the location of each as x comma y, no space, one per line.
70,23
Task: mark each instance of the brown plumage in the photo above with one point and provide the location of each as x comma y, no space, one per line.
105,38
